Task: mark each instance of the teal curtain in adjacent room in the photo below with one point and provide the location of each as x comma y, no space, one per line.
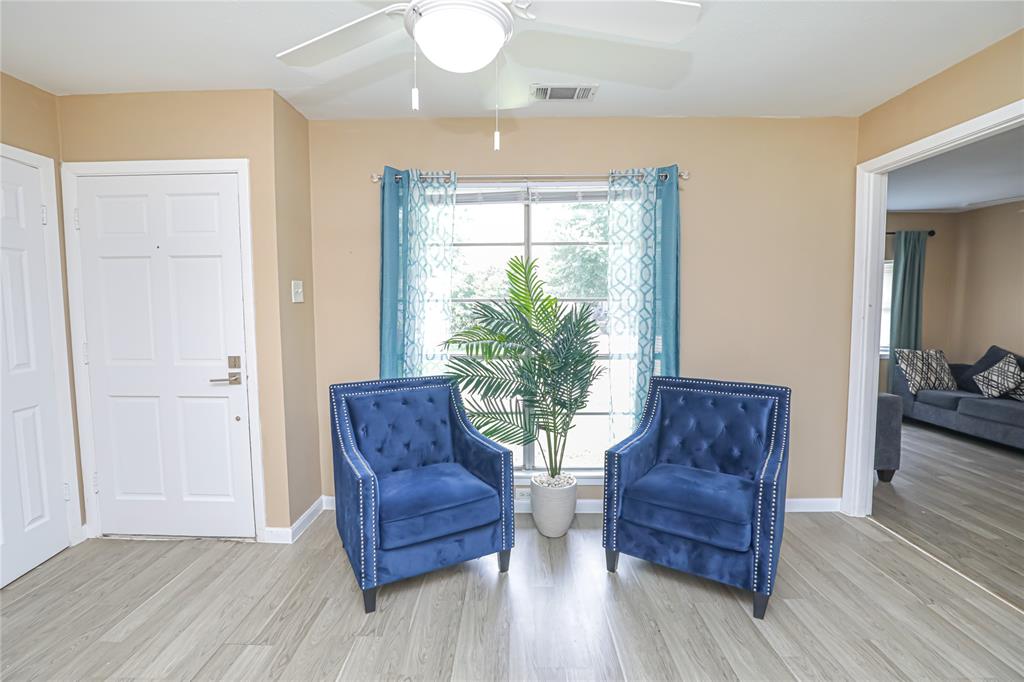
417,233
907,292
643,285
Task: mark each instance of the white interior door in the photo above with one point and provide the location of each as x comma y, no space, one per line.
34,385
162,295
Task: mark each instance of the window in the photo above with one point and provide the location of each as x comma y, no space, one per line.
564,227
886,309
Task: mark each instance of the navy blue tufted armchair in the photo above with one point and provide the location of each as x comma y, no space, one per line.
417,487
701,485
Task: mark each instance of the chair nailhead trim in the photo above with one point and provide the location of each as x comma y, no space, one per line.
359,478
506,464
505,478
613,458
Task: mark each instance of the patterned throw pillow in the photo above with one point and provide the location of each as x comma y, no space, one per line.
925,370
1003,377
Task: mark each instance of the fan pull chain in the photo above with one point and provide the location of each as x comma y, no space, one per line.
415,88
498,134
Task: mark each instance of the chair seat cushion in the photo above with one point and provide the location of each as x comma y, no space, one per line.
947,400
425,503
701,505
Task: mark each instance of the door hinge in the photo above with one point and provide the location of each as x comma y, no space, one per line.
42,211
85,352
67,491
77,225
95,483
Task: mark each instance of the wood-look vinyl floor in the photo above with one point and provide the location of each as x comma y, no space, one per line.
852,601
962,500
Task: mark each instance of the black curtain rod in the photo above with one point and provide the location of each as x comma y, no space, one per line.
931,233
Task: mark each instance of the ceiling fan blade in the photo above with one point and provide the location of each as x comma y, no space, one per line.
600,60
346,38
655,21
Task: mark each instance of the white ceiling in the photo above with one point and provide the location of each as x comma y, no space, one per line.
986,172
742,59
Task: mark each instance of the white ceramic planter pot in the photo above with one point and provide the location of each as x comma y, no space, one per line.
552,508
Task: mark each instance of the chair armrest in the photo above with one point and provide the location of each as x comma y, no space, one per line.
624,463
770,503
357,498
488,461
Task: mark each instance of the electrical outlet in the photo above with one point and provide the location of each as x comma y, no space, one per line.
522,493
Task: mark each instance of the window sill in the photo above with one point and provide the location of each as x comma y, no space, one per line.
594,477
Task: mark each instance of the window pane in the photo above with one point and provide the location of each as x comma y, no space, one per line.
573,271
489,223
886,305
582,222
479,271
590,436
600,391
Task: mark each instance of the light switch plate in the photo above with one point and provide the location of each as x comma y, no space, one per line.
297,294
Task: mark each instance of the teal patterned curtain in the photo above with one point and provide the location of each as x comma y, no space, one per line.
643,253
417,231
907,290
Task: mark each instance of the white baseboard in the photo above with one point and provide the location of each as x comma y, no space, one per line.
813,504
286,536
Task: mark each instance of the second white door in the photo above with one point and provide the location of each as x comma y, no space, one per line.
162,292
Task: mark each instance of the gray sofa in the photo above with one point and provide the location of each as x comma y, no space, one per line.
1000,420
888,436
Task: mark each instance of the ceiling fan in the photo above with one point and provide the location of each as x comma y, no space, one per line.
462,36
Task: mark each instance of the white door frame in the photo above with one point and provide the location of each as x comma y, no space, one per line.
869,248
61,372
70,172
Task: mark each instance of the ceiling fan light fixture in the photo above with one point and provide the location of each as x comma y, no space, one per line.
460,36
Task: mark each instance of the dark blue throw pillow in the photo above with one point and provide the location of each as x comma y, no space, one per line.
992,356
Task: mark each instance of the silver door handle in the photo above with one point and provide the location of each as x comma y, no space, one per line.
231,378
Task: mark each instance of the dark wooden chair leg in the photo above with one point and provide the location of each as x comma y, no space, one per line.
370,600
885,475
503,558
612,558
760,605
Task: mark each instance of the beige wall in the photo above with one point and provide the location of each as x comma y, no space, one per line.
981,83
990,281
190,125
973,279
767,238
28,117
298,349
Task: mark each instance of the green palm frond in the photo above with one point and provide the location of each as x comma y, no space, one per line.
528,364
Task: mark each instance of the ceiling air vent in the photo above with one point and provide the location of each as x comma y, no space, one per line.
563,93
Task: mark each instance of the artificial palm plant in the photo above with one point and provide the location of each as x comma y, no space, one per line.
526,364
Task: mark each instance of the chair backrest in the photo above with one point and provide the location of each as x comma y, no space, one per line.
720,426
398,423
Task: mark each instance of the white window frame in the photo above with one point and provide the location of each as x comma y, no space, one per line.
523,193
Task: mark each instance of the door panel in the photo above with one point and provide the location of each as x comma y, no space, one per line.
162,289
34,526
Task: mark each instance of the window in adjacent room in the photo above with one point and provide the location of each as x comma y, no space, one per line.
886,308
565,227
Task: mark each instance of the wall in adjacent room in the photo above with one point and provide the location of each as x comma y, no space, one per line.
974,281
990,281
766,246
